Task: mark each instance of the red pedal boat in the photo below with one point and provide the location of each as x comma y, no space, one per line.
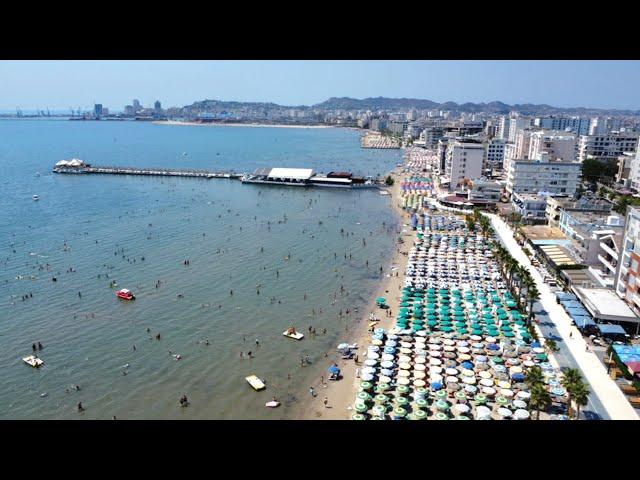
125,294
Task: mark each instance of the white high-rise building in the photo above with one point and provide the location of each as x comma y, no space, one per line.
628,272
604,125
522,141
577,125
634,172
503,127
516,124
533,176
606,147
559,145
463,161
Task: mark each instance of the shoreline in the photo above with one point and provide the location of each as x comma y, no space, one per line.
341,394
252,125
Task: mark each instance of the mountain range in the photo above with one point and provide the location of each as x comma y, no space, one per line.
400,104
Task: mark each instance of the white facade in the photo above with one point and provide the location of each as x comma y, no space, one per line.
577,125
627,276
522,141
634,172
517,124
533,176
503,127
604,147
604,125
560,146
463,161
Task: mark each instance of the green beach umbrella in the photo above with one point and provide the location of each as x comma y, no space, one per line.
381,300
402,389
366,386
358,416
361,407
419,414
399,412
441,416
421,402
442,405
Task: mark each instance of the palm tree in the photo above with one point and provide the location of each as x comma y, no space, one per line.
570,379
540,399
534,377
551,346
532,294
485,226
581,394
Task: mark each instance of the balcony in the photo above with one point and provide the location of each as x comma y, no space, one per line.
635,298
607,264
608,249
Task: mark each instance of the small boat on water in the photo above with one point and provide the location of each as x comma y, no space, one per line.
35,362
292,333
272,404
255,382
35,198
125,294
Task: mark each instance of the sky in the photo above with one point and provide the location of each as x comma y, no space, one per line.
59,85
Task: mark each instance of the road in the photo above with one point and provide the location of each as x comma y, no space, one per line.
606,398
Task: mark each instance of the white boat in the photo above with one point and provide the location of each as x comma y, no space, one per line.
255,382
35,362
295,335
35,198
384,192
272,404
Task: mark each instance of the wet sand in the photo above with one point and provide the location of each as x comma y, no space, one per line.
341,394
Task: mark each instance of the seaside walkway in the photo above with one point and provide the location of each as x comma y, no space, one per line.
608,394
152,171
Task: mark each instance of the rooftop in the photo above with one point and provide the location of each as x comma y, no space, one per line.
543,232
604,304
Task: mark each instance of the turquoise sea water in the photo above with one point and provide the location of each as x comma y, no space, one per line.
236,237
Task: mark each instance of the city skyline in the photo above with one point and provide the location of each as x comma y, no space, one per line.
61,85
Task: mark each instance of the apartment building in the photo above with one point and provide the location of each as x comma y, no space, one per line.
585,205
516,124
634,172
553,177
463,161
559,145
494,153
606,147
628,271
577,125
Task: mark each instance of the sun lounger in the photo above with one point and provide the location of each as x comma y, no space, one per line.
255,382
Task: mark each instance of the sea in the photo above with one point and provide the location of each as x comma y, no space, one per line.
260,259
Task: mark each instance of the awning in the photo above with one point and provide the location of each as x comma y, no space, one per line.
611,329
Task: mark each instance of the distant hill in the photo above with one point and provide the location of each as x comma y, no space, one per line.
403,104
496,107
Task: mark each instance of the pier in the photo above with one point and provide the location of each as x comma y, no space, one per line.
151,171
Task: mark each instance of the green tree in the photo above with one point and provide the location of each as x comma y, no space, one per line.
534,376
389,181
551,346
580,396
532,294
570,380
540,399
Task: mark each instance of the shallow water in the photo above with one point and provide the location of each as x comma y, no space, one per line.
249,231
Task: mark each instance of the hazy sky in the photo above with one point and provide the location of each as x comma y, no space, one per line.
64,84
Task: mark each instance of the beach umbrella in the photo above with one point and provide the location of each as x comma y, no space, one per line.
366,386
381,300
504,412
442,405
361,407
366,377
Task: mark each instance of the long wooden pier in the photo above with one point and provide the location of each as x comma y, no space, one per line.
153,171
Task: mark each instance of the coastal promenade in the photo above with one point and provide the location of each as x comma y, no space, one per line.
609,395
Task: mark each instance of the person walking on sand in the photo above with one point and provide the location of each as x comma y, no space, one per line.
325,401
571,334
312,392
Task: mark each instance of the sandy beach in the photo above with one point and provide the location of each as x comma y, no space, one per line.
341,394
257,125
